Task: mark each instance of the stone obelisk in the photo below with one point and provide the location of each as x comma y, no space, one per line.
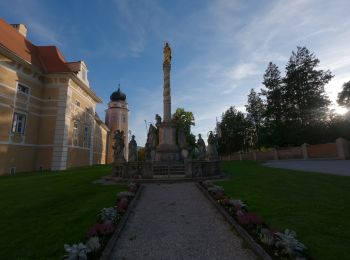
167,149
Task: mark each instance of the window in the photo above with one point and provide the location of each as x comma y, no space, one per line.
23,89
77,103
19,123
86,136
124,119
75,133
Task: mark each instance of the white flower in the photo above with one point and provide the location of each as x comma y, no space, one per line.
76,251
93,244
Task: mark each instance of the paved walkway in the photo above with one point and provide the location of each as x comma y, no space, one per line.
176,221
337,167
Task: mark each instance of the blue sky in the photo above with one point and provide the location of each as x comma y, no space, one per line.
220,48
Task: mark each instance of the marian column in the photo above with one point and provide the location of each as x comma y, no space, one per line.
166,86
167,149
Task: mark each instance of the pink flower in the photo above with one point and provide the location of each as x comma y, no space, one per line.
219,195
122,205
101,229
249,218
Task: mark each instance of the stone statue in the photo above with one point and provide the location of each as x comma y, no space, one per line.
151,144
119,146
212,151
132,150
167,54
181,138
201,147
182,142
158,120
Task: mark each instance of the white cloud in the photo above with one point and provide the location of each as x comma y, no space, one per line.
243,70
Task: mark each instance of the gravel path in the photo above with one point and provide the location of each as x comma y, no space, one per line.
337,167
176,221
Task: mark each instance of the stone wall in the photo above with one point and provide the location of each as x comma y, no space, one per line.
337,150
322,150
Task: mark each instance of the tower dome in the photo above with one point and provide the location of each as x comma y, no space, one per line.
118,96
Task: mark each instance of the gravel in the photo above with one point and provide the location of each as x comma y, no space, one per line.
337,167
176,221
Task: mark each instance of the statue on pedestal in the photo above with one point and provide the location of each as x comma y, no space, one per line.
151,144
212,146
182,142
119,146
167,54
158,120
132,150
201,148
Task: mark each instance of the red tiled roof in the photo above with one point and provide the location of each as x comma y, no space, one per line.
52,59
47,58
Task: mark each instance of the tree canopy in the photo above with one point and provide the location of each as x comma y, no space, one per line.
344,96
290,110
184,120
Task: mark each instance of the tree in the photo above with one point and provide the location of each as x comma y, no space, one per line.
234,131
185,120
273,93
305,102
344,96
255,111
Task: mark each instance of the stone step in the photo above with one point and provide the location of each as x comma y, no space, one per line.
169,169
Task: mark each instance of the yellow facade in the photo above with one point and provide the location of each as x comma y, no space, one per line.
47,120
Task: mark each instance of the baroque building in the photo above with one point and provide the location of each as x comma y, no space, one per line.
117,116
47,108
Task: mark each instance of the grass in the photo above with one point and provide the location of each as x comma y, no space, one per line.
40,212
315,205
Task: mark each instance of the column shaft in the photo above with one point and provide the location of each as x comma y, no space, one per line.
166,93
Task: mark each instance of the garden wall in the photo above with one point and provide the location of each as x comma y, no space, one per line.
322,150
340,149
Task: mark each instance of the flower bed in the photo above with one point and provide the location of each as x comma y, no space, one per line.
280,245
99,233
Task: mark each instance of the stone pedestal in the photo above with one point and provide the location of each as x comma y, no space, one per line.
167,149
201,168
118,168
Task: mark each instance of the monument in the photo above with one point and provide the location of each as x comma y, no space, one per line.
132,149
167,149
164,155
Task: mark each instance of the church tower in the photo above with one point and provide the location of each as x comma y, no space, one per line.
117,117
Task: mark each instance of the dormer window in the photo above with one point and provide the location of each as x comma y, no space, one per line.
81,70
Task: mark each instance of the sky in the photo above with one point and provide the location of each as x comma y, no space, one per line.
220,48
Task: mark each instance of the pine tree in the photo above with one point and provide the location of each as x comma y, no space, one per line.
234,131
255,111
305,102
273,93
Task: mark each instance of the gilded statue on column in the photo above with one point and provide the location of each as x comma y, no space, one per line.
167,54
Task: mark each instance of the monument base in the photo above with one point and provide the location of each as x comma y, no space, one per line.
167,150
167,153
202,168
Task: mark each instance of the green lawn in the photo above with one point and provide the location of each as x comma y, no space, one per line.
316,206
40,212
